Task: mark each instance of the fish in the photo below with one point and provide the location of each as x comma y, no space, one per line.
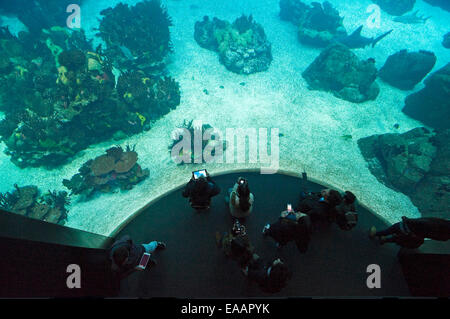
412,18
357,41
127,52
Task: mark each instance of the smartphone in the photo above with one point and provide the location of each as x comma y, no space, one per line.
289,207
144,261
200,173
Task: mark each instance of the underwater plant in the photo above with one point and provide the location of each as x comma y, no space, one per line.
150,97
194,131
27,201
137,37
105,173
242,46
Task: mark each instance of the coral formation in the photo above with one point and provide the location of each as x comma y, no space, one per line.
27,201
137,37
318,25
196,131
416,163
431,105
118,168
242,46
59,96
396,7
339,71
406,69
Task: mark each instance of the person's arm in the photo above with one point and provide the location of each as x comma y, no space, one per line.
233,198
188,188
284,214
215,190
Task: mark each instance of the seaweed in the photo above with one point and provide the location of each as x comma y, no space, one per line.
137,37
188,125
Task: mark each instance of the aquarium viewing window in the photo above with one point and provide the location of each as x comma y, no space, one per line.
107,107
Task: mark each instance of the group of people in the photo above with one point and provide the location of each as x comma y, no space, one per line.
313,210
293,225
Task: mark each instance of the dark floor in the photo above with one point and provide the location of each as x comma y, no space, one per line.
192,266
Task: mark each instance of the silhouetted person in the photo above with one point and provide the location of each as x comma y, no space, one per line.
240,199
411,232
291,226
236,244
346,217
125,255
271,277
200,191
320,207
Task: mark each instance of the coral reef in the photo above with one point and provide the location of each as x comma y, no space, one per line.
318,25
137,37
445,41
117,168
338,70
405,69
211,144
242,46
60,96
27,201
416,163
149,97
396,7
431,105
413,18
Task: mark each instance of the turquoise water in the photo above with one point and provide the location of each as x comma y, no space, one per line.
318,132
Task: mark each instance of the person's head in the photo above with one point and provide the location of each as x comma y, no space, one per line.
331,196
349,198
279,275
120,255
201,184
243,191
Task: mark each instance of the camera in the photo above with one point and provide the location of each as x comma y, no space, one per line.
238,229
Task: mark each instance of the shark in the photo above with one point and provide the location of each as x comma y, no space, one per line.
412,18
357,41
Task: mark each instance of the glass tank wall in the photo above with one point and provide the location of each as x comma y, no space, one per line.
108,105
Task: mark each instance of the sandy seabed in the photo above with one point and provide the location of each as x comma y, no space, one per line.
311,123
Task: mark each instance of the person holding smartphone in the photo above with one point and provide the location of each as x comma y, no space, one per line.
240,199
291,226
126,256
320,206
200,189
